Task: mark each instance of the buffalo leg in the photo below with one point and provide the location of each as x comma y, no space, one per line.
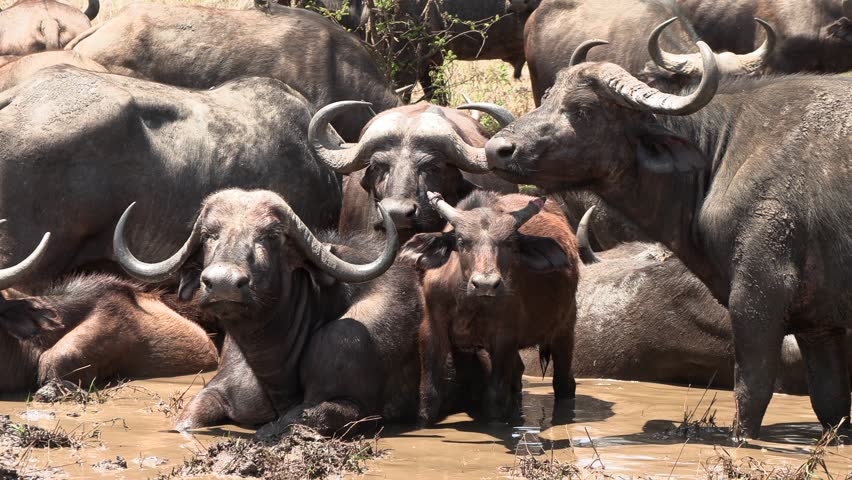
501,396
824,352
434,348
758,306
562,350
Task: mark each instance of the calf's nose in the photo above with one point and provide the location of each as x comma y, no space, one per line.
224,282
499,152
486,283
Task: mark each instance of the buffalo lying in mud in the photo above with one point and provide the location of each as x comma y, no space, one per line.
202,48
165,146
484,281
813,36
328,342
22,68
92,327
753,208
560,26
30,26
404,153
634,292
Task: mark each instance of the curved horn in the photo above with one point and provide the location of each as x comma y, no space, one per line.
444,209
93,9
151,272
524,215
12,275
634,93
405,89
587,255
322,257
504,117
579,55
689,64
342,158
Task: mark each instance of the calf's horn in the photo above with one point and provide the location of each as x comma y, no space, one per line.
688,64
340,157
587,255
632,92
525,214
444,209
93,9
151,272
579,55
321,256
13,275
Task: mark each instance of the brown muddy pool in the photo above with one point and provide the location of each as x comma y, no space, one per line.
627,425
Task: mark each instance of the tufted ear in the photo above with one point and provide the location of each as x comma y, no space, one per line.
428,250
542,254
661,151
27,317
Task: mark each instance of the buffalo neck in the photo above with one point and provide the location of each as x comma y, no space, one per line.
274,343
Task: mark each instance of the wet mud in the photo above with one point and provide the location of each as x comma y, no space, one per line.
615,428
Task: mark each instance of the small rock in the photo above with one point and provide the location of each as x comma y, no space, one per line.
107,465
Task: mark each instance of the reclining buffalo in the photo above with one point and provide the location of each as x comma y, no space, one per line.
315,335
92,327
75,146
30,26
751,206
401,155
202,48
484,281
22,68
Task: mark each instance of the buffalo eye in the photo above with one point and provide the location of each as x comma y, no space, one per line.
207,236
579,115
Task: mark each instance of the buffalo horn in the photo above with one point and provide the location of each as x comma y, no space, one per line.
579,55
587,255
634,93
321,256
504,117
13,275
444,209
688,64
525,214
151,272
93,9
340,157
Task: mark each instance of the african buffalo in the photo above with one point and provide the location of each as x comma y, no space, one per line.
813,35
200,47
355,13
24,67
406,152
75,146
561,26
328,342
485,279
30,26
92,327
753,208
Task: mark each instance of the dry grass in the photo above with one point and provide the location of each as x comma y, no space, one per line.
28,436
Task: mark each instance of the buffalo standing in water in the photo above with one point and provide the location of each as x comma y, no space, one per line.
755,209
30,26
325,341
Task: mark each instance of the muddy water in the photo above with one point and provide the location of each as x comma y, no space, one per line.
624,423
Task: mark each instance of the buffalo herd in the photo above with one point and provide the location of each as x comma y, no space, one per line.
179,174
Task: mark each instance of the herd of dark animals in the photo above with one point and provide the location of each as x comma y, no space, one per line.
362,264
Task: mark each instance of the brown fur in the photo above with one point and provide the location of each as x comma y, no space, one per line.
531,308
31,26
97,327
23,68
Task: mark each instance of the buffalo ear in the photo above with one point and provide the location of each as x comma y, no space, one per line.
28,317
542,254
190,278
661,151
428,250
841,29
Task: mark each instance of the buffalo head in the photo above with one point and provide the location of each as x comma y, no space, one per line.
244,247
26,316
596,124
487,242
521,6
408,151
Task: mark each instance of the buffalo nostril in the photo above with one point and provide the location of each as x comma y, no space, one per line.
411,213
242,281
485,281
207,284
499,151
506,151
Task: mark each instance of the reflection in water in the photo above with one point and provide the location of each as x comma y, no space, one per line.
629,424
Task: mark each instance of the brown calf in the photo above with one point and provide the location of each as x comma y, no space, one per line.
30,26
501,277
93,327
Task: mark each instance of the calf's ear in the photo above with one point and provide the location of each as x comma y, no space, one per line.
542,254
428,250
28,317
661,151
